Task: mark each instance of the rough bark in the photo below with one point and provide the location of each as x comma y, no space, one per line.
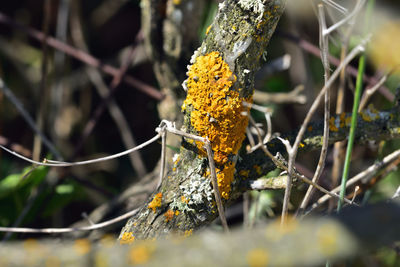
235,43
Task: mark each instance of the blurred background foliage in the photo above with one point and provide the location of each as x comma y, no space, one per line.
59,197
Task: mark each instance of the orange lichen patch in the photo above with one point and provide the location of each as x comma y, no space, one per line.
216,112
332,125
188,233
225,178
31,244
347,121
244,173
365,116
177,212
342,120
156,202
169,214
258,169
257,258
184,199
309,128
127,238
370,114
301,145
176,161
208,29
372,109
141,254
82,246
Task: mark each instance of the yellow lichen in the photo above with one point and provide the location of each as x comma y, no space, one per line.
258,169
31,244
208,29
348,121
184,199
177,212
156,202
177,2
82,246
216,113
141,254
342,119
188,233
169,214
244,173
332,125
257,258
127,238
365,116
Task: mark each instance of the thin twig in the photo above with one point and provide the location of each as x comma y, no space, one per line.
370,91
324,43
338,149
84,57
214,180
54,163
68,230
163,155
362,175
281,165
9,94
44,90
293,152
356,103
346,19
169,126
314,50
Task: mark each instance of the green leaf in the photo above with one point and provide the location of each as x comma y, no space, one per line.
30,177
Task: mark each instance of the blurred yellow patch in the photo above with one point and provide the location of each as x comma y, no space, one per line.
257,258
384,48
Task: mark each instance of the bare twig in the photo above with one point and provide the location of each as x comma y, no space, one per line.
9,94
54,163
370,91
68,230
362,175
163,152
346,19
324,44
293,96
314,50
281,165
171,128
214,180
338,149
44,90
293,152
84,57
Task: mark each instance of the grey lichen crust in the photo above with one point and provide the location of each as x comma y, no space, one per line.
240,35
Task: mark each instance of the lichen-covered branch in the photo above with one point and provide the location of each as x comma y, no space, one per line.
372,125
219,81
335,238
